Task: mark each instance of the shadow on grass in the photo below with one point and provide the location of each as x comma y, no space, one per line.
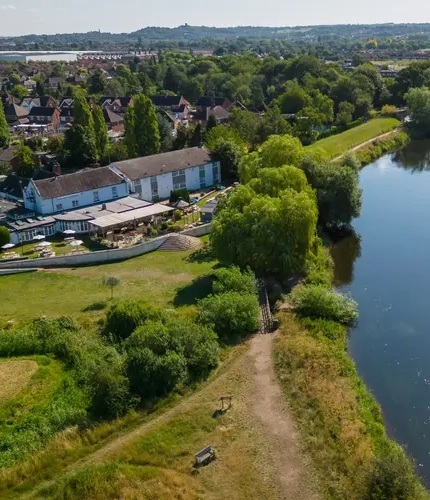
97,306
197,289
203,254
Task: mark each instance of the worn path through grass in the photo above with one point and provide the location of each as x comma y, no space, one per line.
258,447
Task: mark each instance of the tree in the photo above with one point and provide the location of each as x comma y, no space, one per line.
142,134
269,235
229,155
344,116
40,87
100,130
182,138
294,98
4,235
211,123
25,161
245,124
4,129
271,123
230,314
111,282
280,150
418,101
338,193
96,83
166,138
197,136
80,146
232,279
55,144
19,91
81,111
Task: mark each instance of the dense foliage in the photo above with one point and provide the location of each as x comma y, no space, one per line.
4,129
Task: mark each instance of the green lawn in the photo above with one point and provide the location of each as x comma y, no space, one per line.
339,144
162,278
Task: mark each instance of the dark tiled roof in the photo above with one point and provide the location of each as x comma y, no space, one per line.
7,155
14,185
166,100
30,99
66,102
122,101
85,180
41,111
111,117
149,166
15,110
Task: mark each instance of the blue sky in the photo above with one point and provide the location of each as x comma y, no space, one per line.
51,16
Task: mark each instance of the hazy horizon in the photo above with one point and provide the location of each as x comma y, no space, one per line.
23,17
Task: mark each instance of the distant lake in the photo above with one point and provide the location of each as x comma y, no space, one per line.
386,268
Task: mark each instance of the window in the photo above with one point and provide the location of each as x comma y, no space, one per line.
59,206
178,179
114,192
75,203
202,174
154,187
138,187
215,174
95,196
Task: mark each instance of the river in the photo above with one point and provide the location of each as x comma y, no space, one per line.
386,268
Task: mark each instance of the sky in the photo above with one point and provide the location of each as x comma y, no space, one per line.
19,17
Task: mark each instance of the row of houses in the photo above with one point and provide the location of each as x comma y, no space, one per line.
33,110
72,201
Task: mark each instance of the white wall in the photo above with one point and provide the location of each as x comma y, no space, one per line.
86,198
165,182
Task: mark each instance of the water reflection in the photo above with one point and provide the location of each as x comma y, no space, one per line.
414,157
345,252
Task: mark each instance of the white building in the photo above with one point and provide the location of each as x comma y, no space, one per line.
154,177
66,192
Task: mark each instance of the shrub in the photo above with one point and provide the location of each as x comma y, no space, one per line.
4,235
178,215
232,279
124,317
388,110
164,225
230,314
392,477
152,232
316,301
176,228
163,355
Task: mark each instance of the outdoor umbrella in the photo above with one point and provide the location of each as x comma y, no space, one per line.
45,244
7,246
76,243
69,231
39,237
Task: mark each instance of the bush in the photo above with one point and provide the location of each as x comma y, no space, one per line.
164,225
230,314
124,317
162,355
392,477
316,301
176,228
152,232
388,110
178,214
4,235
179,193
232,279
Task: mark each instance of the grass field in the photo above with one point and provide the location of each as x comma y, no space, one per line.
155,461
162,278
15,375
337,145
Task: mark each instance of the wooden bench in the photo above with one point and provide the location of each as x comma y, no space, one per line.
205,456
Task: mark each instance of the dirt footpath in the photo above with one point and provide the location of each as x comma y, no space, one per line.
294,476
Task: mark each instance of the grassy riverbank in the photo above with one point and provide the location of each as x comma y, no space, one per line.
339,144
341,424
380,147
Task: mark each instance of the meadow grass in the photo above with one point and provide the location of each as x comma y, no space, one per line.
339,144
15,375
157,277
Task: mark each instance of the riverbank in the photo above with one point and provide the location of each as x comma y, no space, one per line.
341,423
339,144
381,146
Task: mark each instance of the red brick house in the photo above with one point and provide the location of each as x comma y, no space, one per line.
45,116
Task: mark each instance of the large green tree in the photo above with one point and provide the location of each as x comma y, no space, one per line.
270,235
81,147
25,161
4,129
418,101
142,134
100,130
229,155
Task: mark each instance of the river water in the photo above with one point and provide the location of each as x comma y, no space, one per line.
386,268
